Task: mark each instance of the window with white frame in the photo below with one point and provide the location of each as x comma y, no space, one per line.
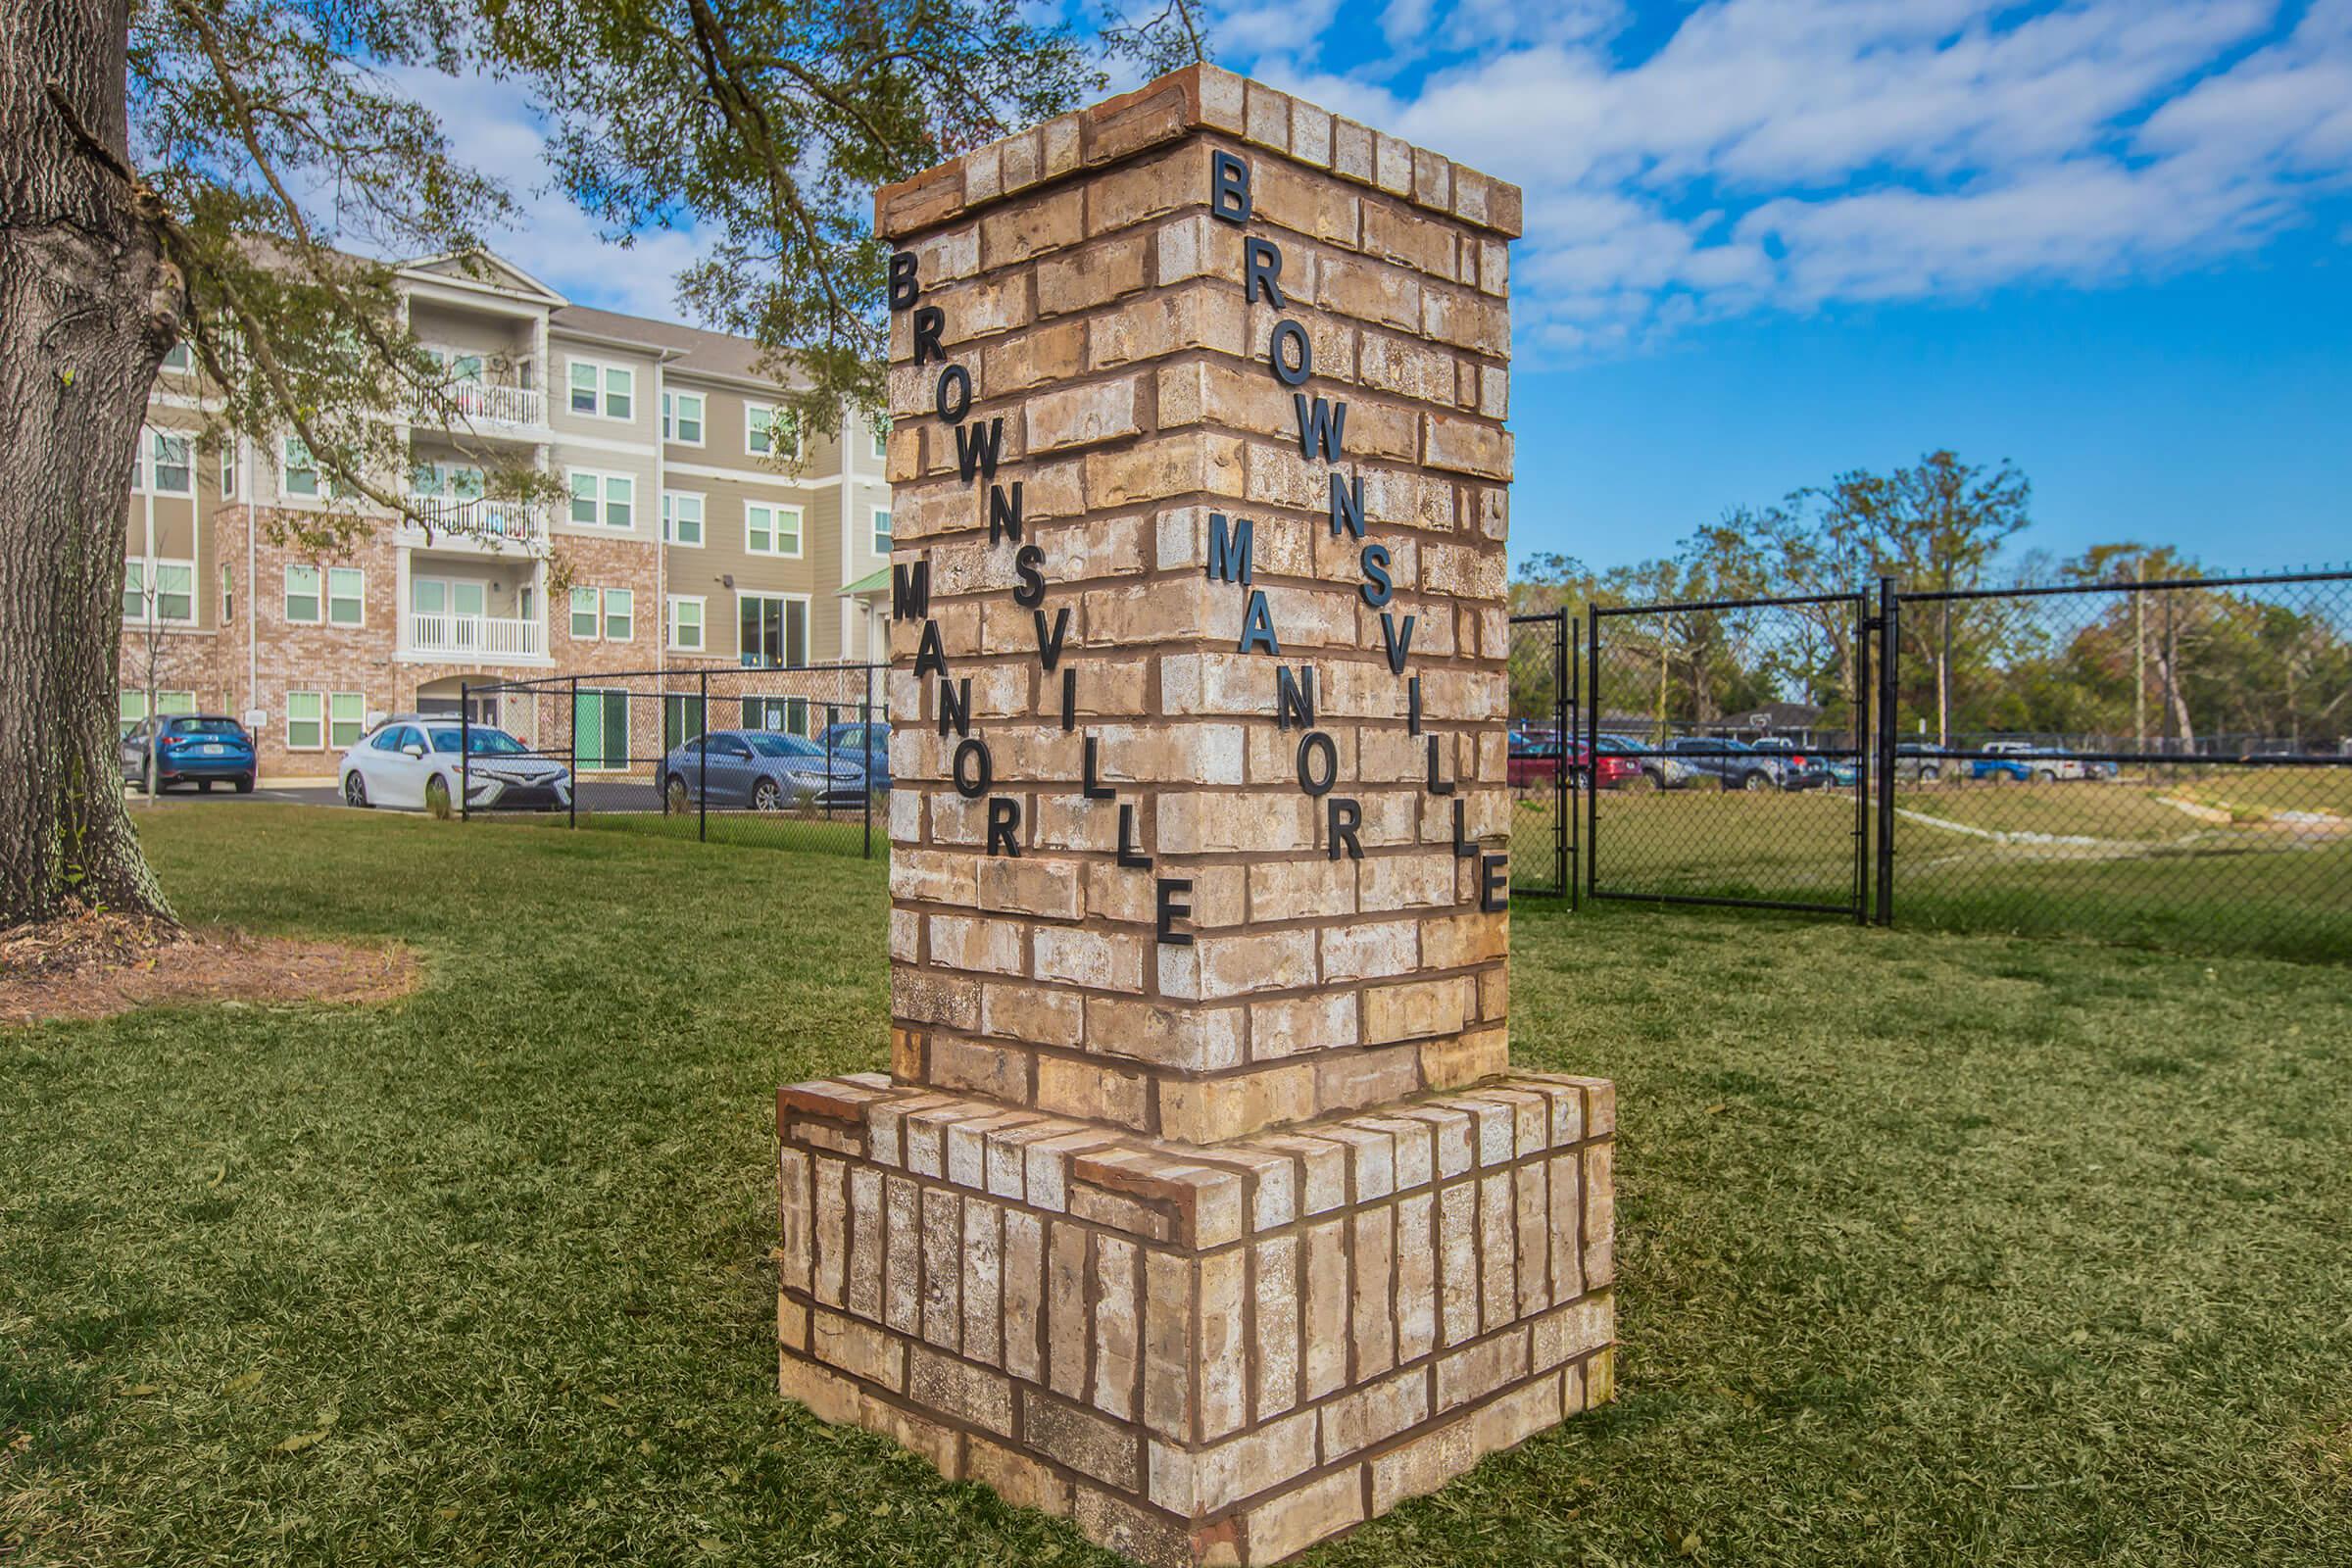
169,467
228,468
682,518
178,357
585,616
772,631
881,531
682,418
454,481
131,707
604,500
686,623
298,471
305,721
346,719
606,391
881,433
161,591
228,595
302,595
771,431
771,530
346,596
620,614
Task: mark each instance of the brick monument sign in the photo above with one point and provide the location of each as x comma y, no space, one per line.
1200,1204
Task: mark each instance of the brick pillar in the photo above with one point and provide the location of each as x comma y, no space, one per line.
1199,1203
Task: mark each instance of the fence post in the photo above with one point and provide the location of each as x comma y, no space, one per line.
571,728
465,752
1865,697
1574,688
701,761
1592,845
865,734
1891,645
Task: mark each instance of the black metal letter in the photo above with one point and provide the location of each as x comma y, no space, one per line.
1004,512
955,707
1346,506
930,325
1229,187
1091,785
1313,741
904,289
1345,817
1003,820
1048,646
974,788
1173,909
1294,697
931,658
1263,260
1398,645
953,397
910,590
1437,785
1032,591
1322,425
1378,588
1229,553
1291,332
1258,625
1131,854
1070,699
1412,706
977,449
1495,883
1463,848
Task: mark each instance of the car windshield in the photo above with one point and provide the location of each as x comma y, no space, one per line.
224,728
769,743
485,741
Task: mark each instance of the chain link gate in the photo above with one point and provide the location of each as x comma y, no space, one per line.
1545,762
1709,785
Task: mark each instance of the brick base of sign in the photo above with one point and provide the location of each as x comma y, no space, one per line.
1201,1355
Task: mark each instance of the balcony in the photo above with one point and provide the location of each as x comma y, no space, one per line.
489,639
487,404
491,524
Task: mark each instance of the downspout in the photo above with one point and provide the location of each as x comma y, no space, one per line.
253,651
840,602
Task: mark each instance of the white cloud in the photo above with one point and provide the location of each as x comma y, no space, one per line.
1790,153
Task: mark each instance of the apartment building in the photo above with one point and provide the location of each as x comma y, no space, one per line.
701,530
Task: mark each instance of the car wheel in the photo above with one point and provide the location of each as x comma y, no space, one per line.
354,790
436,796
2001,775
2046,777
1929,775
767,796
244,783
1754,782
204,786
673,796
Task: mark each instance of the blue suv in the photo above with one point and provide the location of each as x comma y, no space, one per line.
199,748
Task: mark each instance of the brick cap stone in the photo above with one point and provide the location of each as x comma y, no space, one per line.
1197,98
1201,1196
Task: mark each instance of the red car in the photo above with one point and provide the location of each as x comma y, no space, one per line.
1535,763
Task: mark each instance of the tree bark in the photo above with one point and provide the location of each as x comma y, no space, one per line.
88,309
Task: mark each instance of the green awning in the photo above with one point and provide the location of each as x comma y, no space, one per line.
874,582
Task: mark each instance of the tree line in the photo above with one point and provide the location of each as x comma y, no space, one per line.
2174,668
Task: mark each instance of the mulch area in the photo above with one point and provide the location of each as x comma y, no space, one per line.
96,966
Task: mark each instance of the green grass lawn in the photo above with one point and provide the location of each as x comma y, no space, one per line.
1937,1249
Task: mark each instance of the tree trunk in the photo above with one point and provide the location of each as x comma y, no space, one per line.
88,309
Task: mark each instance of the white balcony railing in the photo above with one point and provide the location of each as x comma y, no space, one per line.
489,637
488,403
522,522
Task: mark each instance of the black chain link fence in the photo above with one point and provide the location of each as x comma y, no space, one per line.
783,758
2166,762
1545,753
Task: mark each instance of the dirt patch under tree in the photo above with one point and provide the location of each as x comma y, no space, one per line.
96,966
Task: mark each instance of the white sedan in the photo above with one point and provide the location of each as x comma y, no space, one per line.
416,762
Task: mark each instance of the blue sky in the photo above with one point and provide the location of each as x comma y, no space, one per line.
1770,241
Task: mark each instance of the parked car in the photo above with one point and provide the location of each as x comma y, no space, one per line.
1807,769
199,748
2022,761
1651,767
1917,760
1733,765
1535,763
764,769
415,761
868,745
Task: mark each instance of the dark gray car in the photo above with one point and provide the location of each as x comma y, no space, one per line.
764,770
1733,765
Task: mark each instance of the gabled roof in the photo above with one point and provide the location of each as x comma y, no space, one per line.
485,268
687,348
